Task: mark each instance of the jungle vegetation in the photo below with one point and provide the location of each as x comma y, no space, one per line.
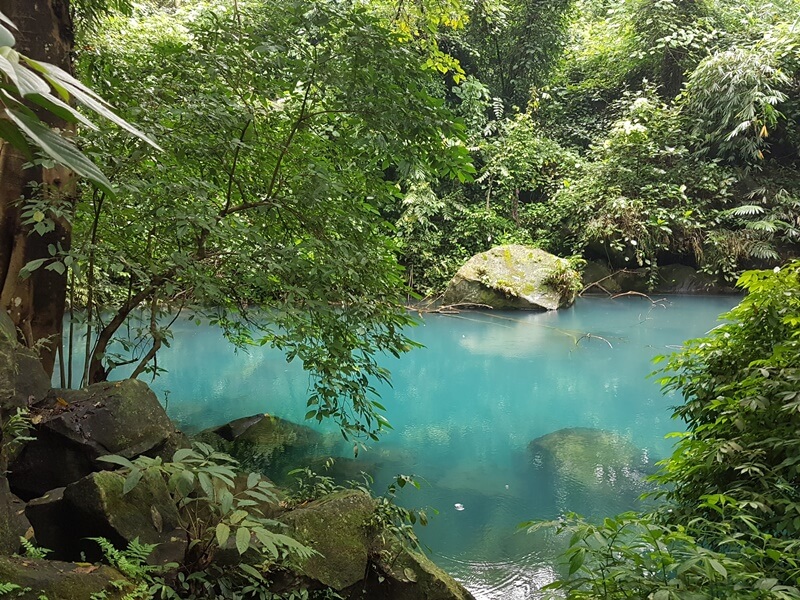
297,167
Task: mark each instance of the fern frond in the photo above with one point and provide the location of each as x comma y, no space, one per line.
746,210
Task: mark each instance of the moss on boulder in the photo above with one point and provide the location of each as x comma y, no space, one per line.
337,527
410,575
101,509
57,580
75,427
514,277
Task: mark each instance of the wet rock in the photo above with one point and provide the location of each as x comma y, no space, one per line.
400,573
57,580
75,427
515,277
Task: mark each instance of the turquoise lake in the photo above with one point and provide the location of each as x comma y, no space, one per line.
465,410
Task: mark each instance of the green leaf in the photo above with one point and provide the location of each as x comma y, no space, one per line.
242,539
117,460
6,37
59,149
253,479
182,454
61,109
132,480
223,532
89,99
238,515
30,267
11,133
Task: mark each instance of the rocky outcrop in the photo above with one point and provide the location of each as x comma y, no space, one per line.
57,580
75,427
598,278
96,506
357,559
514,277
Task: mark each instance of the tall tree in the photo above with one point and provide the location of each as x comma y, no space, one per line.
36,199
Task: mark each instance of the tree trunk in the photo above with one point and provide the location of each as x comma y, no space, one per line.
35,304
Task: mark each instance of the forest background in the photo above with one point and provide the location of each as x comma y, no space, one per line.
316,161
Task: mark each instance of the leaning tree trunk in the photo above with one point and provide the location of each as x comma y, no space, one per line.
35,303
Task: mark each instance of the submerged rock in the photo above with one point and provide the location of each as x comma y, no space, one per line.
590,467
267,444
516,277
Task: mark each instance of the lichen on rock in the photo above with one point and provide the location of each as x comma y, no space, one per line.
514,277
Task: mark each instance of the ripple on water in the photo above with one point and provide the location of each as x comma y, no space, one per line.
519,579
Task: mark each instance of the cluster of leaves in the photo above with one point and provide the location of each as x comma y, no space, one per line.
730,522
287,130
217,508
51,89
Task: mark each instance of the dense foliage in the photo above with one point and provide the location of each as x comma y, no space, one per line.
729,525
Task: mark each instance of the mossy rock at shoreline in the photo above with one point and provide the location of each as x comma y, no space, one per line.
514,277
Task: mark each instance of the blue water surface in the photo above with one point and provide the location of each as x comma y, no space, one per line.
465,409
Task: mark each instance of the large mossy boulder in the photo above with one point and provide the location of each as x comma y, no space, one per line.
514,277
63,520
73,428
336,526
57,580
359,560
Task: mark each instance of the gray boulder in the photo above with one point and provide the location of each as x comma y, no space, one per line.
400,573
514,277
336,527
75,427
98,508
